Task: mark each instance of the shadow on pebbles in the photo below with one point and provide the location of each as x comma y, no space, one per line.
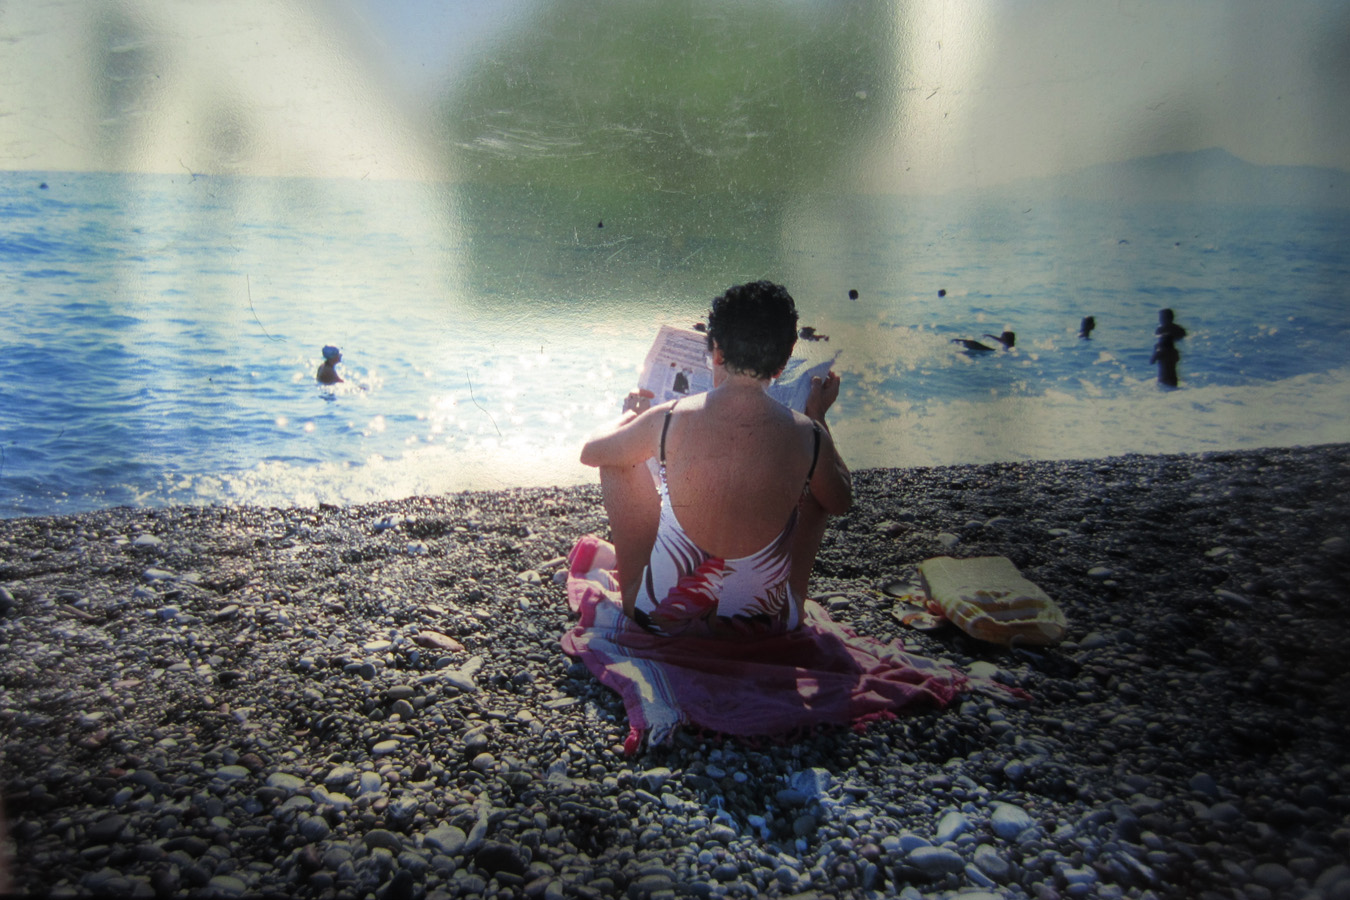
372,701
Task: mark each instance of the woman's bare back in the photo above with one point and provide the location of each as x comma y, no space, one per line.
736,465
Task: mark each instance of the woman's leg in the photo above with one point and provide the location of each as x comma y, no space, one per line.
811,520
634,510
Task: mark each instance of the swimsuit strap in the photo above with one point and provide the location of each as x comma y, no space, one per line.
815,455
666,427
815,449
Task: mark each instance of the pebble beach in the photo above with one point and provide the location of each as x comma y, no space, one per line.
371,701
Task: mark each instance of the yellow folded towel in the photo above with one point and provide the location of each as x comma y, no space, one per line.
990,600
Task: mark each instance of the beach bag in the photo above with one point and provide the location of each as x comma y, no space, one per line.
987,598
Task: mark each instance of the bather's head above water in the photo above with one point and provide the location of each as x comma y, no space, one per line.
755,327
327,373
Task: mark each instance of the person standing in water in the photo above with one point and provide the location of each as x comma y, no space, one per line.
1165,352
327,373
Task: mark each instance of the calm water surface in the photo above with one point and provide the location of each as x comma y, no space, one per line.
162,332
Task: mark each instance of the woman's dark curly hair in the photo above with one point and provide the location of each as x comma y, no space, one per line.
755,325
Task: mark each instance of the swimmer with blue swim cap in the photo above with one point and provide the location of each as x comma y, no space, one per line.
327,373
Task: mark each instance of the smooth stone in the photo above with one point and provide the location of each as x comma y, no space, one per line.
909,842
370,783
476,742
299,802
191,844
1273,876
988,861
1225,813
978,878
459,680
936,861
107,829
950,826
314,829
1094,640
1009,821
446,839
331,798
815,782
232,773
384,747
340,776
286,782
1079,882
805,825
654,779
723,834
380,837
226,884
496,857
403,809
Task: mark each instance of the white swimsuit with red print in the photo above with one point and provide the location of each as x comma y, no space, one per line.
687,591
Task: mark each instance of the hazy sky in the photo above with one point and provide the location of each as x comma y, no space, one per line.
982,92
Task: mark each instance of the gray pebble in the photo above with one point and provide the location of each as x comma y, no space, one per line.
340,777
1009,821
286,782
460,681
936,861
314,829
950,826
446,839
229,885
107,829
369,783
1273,876
380,837
988,861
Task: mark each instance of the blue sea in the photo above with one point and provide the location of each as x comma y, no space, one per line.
161,332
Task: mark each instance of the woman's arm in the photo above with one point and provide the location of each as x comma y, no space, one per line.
831,483
628,441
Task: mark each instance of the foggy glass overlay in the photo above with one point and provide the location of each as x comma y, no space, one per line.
689,130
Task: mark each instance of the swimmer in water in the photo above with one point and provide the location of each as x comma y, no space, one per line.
972,345
1165,352
327,373
1085,327
1007,339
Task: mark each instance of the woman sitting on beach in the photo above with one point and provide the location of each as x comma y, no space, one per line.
722,542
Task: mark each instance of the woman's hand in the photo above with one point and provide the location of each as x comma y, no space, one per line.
824,391
638,401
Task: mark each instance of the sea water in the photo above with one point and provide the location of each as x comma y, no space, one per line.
161,332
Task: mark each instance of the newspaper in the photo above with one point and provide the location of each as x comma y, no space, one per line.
678,365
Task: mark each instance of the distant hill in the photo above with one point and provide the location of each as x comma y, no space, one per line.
1203,176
